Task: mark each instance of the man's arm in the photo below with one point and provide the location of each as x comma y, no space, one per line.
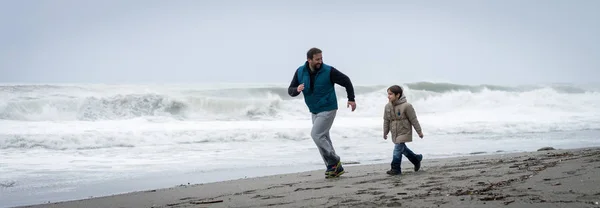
340,78
293,88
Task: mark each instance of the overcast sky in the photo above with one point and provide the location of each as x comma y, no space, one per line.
141,41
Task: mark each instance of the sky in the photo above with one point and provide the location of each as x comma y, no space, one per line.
264,41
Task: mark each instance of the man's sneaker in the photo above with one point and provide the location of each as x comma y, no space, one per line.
331,168
335,171
418,164
393,172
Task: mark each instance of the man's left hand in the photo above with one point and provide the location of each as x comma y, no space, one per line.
353,104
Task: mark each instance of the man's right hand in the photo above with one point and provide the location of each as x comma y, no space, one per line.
300,87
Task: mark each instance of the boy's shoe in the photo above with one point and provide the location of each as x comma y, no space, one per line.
418,164
393,172
335,171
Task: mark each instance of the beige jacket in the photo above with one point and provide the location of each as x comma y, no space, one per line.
399,117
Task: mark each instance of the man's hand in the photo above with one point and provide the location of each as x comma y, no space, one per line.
351,103
385,136
421,135
300,87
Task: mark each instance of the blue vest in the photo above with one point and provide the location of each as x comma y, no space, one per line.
322,97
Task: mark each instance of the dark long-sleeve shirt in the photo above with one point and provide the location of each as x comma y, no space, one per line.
336,76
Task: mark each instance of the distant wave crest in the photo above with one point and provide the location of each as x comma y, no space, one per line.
447,87
49,102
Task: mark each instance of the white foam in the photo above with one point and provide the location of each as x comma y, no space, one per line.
42,103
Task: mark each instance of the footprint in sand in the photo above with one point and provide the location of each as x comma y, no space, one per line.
267,197
272,187
282,185
366,191
188,198
312,188
349,201
461,178
370,181
245,192
384,197
278,204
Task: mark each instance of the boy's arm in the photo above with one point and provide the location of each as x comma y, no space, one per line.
337,77
293,88
412,117
386,121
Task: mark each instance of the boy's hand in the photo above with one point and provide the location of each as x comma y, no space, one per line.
421,135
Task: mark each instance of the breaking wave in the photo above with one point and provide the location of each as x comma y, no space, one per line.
53,102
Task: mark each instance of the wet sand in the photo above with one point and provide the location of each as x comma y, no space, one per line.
550,178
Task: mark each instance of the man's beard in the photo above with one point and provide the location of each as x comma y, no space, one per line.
316,66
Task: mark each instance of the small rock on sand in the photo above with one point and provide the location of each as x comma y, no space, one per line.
546,149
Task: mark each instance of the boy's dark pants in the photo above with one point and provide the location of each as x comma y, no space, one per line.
399,150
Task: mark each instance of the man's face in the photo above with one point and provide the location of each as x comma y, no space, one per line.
316,61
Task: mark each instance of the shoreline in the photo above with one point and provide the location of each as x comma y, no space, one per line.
170,179
161,180
24,196
525,179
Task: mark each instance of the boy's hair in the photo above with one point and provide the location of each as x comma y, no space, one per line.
311,52
396,90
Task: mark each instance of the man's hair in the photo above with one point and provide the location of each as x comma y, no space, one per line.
311,52
396,90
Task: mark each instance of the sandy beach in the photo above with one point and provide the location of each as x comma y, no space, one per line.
548,178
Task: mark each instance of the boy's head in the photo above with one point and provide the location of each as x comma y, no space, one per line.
394,93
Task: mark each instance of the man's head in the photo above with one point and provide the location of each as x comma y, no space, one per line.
314,57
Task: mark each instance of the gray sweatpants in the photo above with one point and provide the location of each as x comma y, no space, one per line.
320,134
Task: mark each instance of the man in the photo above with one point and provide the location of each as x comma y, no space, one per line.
316,82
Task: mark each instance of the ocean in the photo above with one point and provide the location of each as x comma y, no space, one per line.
73,141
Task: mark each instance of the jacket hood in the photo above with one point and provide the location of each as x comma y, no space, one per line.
400,100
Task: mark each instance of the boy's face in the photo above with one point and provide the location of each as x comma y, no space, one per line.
391,96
